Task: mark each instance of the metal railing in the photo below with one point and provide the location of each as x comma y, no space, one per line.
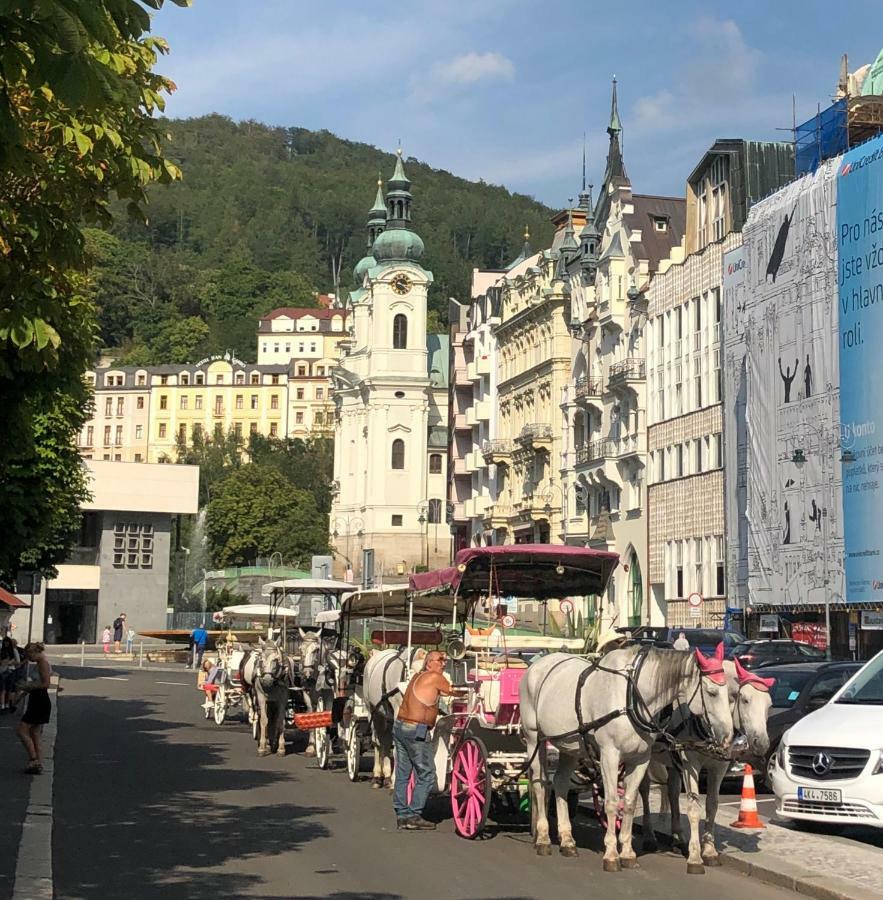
595,450
588,386
498,446
536,431
632,367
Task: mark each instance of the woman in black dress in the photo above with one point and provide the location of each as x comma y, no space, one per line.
38,709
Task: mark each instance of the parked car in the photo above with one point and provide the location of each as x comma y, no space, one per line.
800,689
706,639
829,766
774,651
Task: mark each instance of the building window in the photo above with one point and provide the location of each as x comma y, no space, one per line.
275,348
320,393
185,378
720,580
163,379
397,521
255,378
718,446
716,380
318,418
274,429
240,378
701,220
679,460
274,401
138,457
182,433
184,402
237,429
660,224
302,371
219,379
200,378
163,401
299,394
435,463
90,435
400,332
107,435
679,393
697,382
108,406
252,427
661,464
698,445
197,430
288,348
254,401
299,418
398,454
139,432
434,511
141,380
120,405
197,401
118,436
264,347
132,545
162,429
239,400
697,564
718,182
274,379
300,347
139,403
679,568
320,370
219,406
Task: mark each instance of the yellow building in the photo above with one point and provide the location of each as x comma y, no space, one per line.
218,395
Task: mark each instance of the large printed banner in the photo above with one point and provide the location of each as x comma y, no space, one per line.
860,292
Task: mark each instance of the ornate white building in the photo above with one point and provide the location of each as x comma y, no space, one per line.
391,405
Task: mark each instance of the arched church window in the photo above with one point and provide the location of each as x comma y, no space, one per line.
398,454
400,332
435,463
434,511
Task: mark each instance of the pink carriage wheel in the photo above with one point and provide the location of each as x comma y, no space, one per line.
409,790
470,788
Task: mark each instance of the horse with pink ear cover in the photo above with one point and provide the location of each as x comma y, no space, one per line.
712,666
746,677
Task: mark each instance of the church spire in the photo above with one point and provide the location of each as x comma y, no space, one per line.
398,197
615,165
585,197
615,126
589,241
376,215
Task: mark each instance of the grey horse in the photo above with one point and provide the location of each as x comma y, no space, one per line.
265,678
609,712
750,703
320,668
384,671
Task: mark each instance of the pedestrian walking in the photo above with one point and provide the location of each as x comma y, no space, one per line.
119,624
681,642
413,743
199,637
38,707
10,662
130,640
106,638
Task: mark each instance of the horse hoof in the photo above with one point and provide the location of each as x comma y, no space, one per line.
712,861
263,752
377,783
629,862
310,751
569,851
695,869
544,849
280,752
612,865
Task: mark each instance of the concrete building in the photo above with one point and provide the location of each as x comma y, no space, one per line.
119,429
687,544
121,561
624,241
391,395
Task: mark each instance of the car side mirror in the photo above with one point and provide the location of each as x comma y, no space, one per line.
817,702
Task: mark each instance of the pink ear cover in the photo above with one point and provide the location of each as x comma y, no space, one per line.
746,677
710,666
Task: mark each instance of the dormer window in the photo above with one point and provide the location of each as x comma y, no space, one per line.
660,223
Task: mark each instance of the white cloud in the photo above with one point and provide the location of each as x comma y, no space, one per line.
461,72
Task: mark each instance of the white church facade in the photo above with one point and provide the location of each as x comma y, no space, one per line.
390,390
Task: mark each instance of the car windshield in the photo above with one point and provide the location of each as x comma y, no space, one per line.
749,648
867,686
789,684
810,651
698,638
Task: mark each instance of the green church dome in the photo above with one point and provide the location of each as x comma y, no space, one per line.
361,268
398,244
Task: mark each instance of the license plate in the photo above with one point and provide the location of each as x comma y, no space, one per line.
818,795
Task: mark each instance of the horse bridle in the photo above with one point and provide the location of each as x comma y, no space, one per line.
279,674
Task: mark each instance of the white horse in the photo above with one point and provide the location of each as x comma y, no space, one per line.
385,670
265,678
750,703
610,711
312,654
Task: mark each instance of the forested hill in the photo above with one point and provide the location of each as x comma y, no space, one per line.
262,217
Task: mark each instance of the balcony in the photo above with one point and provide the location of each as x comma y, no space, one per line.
607,318
460,423
595,452
632,445
587,387
458,513
459,466
474,461
482,410
471,373
628,370
538,435
483,365
460,376
497,451
471,416
497,515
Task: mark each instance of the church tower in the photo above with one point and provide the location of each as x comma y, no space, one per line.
386,403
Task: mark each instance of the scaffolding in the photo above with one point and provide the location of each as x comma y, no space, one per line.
832,131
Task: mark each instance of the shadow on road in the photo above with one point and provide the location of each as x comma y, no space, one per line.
145,806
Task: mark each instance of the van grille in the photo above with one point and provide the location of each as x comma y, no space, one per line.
838,810
844,762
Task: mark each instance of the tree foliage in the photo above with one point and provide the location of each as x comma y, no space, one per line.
266,216
256,511
77,132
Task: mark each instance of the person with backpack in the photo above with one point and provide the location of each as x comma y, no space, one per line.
119,623
199,637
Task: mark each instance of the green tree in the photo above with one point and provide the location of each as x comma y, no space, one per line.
307,464
217,455
77,130
256,511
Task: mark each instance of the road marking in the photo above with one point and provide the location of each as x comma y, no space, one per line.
33,868
179,683
112,678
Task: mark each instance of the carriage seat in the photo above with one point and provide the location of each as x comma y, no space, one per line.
399,637
499,692
210,689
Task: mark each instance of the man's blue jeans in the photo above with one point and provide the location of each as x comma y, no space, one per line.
416,756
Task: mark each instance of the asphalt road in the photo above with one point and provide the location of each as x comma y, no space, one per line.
151,800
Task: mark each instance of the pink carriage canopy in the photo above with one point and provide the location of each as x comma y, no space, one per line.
538,571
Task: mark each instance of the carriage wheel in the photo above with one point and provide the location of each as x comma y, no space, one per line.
470,787
322,741
220,704
353,752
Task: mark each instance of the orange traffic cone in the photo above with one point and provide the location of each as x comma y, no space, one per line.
748,817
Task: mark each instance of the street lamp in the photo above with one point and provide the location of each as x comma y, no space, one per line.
422,519
548,496
799,458
346,524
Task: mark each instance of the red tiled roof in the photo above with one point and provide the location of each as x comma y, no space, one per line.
11,600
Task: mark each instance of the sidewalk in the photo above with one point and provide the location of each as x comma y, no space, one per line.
816,865
15,789
75,655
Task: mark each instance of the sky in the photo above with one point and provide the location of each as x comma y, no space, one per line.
505,90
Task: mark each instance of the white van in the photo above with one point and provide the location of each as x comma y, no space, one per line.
829,766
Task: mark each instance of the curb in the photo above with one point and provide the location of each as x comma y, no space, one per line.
771,869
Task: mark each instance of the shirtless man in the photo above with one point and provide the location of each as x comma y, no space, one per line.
413,745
